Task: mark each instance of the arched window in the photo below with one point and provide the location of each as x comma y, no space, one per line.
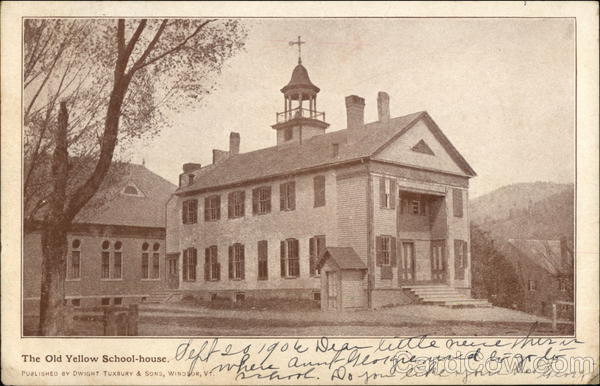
74,261
150,261
111,263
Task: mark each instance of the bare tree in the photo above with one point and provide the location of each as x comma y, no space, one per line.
108,82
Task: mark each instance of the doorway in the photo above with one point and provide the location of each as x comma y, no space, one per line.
406,268
173,271
438,261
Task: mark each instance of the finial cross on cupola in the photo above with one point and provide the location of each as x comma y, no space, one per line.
299,42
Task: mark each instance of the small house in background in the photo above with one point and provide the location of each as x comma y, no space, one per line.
342,279
116,245
545,269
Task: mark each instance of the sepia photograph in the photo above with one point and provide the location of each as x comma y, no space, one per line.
308,177
369,177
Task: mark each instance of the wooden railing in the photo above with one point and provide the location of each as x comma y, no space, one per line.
299,113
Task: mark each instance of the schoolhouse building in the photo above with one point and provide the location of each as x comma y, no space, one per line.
366,215
116,245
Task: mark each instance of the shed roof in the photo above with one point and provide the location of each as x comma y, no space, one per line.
353,144
344,257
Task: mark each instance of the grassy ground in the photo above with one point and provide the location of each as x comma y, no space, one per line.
186,319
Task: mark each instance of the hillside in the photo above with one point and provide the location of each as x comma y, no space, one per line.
539,210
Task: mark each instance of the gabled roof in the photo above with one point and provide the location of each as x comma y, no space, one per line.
544,253
344,258
110,207
354,144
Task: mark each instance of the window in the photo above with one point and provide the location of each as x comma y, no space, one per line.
145,266
74,264
105,301
288,134
263,260
387,193
212,268
235,204
532,285
189,212
457,202
261,200
130,190
236,261
189,264
212,208
317,296
287,196
562,285
117,301
319,190
240,297
76,302
335,149
117,261
316,246
190,179
414,204
385,250
105,271
155,261
289,253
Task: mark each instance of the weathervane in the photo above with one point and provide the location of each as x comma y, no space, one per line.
299,43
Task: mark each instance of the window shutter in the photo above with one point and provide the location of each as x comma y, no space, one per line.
392,194
242,198
292,195
378,248
465,254
282,196
218,203
206,206
184,212
382,202
230,205
268,189
457,202
313,255
458,272
194,217
393,253
282,257
207,264
243,264
218,271
254,201
231,261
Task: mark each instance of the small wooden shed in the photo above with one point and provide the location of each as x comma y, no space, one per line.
342,279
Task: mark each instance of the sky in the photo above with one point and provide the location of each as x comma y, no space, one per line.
502,90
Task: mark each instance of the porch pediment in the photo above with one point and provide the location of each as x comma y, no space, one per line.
344,258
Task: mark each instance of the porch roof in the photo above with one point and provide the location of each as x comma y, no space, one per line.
345,258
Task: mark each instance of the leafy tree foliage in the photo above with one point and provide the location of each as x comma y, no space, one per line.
88,85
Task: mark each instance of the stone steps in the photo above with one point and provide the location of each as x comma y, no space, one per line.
443,295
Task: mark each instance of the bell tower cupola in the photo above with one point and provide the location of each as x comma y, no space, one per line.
300,119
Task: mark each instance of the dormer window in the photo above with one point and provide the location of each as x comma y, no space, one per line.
131,190
190,179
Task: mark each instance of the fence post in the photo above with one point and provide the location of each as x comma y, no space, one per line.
132,320
554,316
68,319
110,328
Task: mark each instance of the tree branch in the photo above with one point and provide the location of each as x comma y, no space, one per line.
177,47
149,48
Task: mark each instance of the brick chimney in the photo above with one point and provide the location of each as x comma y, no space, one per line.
190,167
234,143
383,106
355,111
219,156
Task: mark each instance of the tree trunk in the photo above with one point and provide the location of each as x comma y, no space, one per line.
54,236
54,249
